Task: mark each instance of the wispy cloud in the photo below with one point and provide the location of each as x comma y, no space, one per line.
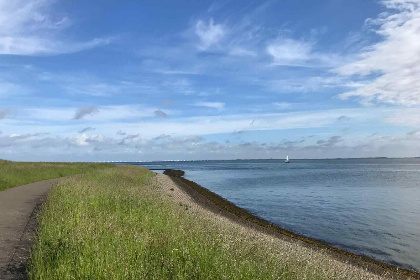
36,46
291,52
95,89
310,84
29,28
283,105
214,105
8,89
209,33
87,84
395,59
242,49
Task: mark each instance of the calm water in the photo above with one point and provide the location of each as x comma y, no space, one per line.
368,206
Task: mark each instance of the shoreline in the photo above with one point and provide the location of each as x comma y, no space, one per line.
219,205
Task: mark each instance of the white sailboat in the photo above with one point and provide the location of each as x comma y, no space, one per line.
287,159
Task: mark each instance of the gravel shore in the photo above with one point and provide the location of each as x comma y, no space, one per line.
335,262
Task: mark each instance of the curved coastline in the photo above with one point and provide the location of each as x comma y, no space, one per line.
219,205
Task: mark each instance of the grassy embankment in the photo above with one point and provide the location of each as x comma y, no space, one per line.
15,174
114,224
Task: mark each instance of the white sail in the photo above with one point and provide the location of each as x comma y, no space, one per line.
287,158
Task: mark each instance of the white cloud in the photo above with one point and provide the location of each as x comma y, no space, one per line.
209,33
214,105
8,90
183,86
396,59
83,140
283,105
99,147
175,72
289,52
96,89
29,28
80,140
409,117
241,55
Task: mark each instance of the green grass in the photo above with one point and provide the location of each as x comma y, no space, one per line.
13,174
113,224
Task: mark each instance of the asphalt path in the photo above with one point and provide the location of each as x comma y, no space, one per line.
17,223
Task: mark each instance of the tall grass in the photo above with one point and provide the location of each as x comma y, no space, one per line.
113,224
14,174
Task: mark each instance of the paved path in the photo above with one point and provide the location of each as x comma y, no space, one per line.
16,206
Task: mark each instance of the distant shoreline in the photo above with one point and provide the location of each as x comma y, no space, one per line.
252,159
221,206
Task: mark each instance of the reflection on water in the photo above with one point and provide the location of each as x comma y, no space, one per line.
368,206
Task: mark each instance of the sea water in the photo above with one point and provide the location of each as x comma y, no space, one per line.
367,206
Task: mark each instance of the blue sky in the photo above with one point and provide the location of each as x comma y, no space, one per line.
152,80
